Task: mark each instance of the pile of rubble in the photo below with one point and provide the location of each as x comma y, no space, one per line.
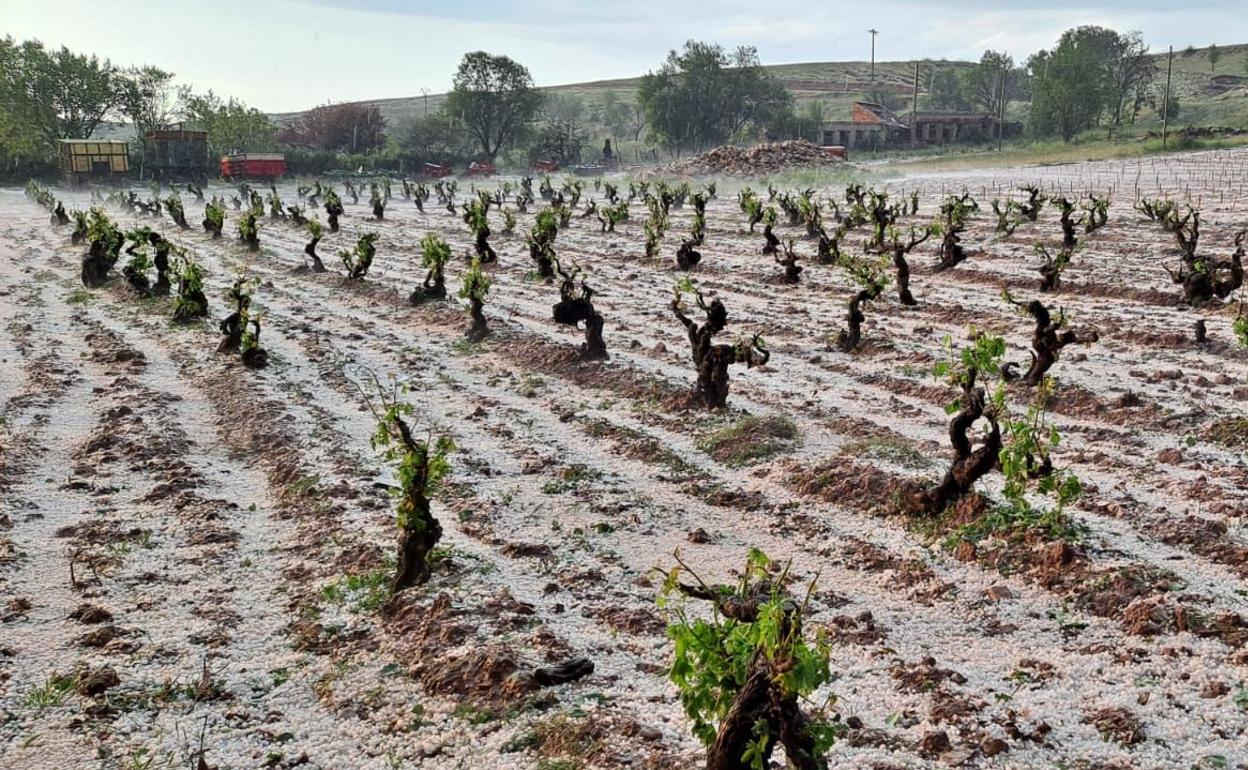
754,161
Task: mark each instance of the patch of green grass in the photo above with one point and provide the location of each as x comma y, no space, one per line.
52,692
463,347
79,297
1231,432
890,449
570,478
1007,521
307,485
474,715
362,593
530,385
750,440
520,742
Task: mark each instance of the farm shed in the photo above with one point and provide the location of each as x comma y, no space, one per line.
869,125
875,125
83,159
176,153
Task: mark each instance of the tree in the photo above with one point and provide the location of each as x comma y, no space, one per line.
704,96
559,139
981,85
623,118
1214,56
149,100
495,98
810,122
433,139
1071,84
339,127
56,94
1131,70
232,126
945,90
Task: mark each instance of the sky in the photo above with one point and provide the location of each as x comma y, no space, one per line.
285,55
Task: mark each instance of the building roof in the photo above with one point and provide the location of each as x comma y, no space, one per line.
951,115
882,113
91,141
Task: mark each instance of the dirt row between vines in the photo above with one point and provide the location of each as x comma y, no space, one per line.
230,529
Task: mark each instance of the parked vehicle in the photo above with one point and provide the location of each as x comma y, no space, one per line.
253,165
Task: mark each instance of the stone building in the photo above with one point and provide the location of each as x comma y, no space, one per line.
875,126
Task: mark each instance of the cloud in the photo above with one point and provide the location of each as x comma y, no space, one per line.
290,54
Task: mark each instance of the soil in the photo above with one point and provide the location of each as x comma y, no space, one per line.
228,529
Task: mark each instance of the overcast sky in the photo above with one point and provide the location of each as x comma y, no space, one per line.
282,55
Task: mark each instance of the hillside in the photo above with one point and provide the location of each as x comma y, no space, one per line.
1208,96
837,84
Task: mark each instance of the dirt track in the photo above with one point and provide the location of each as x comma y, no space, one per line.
212,512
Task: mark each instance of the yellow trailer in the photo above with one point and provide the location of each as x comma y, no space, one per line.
83,159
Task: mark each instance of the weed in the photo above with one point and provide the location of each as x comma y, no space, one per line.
51,693
570,478
362,593
750,440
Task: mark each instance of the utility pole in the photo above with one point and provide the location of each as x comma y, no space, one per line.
425,93
873,32
1005,73
914,109
1165,104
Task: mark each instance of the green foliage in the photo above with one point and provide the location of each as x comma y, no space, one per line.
139,262
173,205
434,252
363,593
1091,72
214,212
1026,464
871,275
231,124
420,465
434,138
750,439
476,216
983,356
248,228
561,139
190,302
476,285
1240,327
149,99
51,692
1025,457
495,98
360,259
56,94
712,658
684,285
751,206
102,230
704,96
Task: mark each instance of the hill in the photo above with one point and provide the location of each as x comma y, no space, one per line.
1211,96
836,84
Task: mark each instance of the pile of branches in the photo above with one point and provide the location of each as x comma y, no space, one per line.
759,160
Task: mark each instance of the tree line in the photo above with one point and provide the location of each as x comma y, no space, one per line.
699,97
